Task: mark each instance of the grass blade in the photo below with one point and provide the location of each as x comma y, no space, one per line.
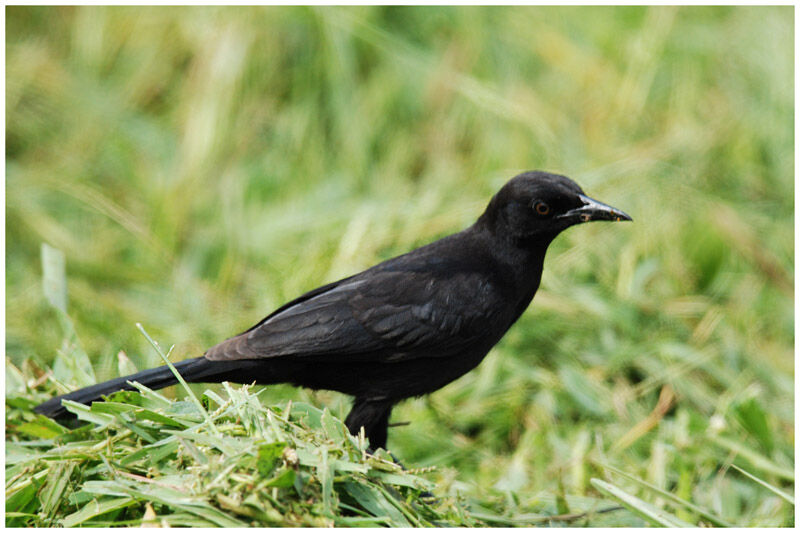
647,511
180,379
789,498
711,517
96,508
756,459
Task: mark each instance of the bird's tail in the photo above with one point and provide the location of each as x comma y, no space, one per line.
192,370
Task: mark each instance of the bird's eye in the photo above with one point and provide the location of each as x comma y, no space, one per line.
542,208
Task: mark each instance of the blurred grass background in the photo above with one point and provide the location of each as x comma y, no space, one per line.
201,166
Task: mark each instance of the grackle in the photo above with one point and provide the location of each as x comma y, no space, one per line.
403,328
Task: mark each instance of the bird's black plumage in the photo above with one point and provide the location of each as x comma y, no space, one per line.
405,327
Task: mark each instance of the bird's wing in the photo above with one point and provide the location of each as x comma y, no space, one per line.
382,316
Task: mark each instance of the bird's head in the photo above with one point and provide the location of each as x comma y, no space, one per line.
538,206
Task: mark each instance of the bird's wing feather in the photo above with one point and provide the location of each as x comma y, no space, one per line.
386,316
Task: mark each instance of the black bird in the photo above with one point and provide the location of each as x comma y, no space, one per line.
405,327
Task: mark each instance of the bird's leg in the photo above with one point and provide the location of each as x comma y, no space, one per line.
373,416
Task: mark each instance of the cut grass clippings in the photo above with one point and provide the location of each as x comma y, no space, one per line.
252,466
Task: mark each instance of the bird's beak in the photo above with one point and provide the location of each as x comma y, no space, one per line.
594,210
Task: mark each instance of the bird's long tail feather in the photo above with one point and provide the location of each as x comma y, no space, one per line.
195,370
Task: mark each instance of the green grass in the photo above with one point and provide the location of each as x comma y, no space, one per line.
200,166
238,465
